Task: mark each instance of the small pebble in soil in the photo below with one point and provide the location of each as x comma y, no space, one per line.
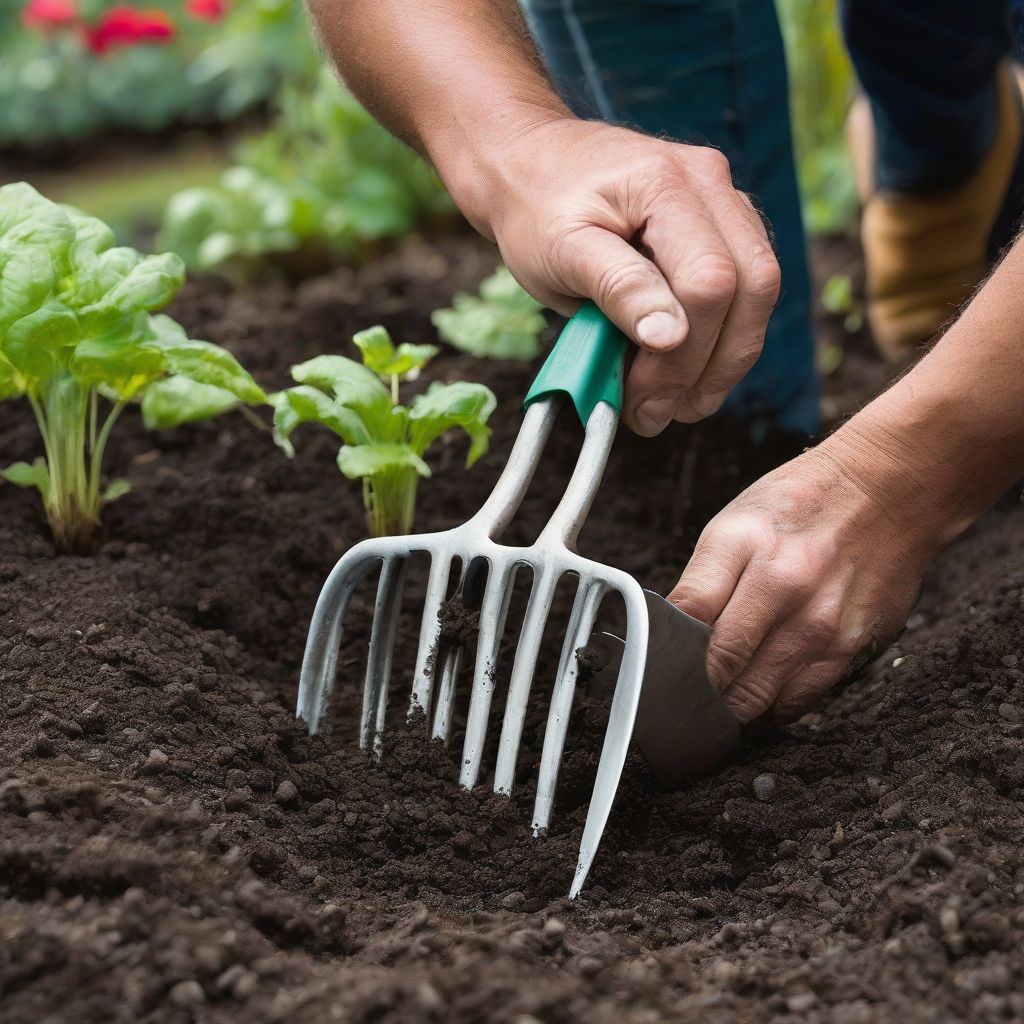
764,787
512,900
286,793
1010,712
897,662
156,762
801,1002
187,994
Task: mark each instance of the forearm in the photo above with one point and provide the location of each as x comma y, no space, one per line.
954,424
453,78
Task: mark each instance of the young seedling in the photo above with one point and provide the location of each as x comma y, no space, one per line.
384,441
79,342
503,321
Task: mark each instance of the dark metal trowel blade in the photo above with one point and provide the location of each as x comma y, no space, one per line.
683,727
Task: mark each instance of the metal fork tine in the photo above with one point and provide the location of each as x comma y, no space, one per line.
430,635
530,638
617,735
584,611
320,660
445,703
493,613
382,645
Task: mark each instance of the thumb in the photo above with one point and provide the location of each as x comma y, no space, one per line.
629,288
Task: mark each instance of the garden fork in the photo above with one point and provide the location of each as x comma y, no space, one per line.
585,367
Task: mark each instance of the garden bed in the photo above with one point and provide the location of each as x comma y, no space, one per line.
173,847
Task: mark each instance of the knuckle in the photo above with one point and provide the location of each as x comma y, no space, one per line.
719,380
850,642
790,580
764,278
620,279
705,402
710,163
661,171
794,703
822,629
563,240
728,656
711,283
751,696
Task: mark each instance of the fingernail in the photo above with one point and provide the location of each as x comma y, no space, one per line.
654,415
660,330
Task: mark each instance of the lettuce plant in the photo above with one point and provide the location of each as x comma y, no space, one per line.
384,441
79,341
503,321
325,178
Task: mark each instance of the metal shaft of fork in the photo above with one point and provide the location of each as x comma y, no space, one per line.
547,559
492,517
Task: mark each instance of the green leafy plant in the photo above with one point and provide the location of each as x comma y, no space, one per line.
384,441
504,321
79,341
839,298
326,175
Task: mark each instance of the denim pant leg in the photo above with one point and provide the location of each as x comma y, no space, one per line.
704,71
928,69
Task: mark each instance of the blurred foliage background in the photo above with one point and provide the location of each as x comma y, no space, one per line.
72,69
88,88
821,87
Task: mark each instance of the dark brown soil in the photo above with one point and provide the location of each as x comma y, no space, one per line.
173,847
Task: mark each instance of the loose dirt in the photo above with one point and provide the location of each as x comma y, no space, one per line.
175,848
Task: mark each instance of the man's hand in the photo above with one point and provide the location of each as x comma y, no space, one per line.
654,232
651,230
806,569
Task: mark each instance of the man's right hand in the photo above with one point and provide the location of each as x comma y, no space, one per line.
654,232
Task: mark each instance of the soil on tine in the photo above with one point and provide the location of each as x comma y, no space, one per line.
174,847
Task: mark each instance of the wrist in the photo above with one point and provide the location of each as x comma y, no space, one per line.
908,453
479,156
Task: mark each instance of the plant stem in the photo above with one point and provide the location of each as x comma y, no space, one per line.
66,421
390,499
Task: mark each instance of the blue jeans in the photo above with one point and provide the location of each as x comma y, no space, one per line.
714,71
928,69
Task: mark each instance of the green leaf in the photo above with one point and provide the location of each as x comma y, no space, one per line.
29,474
149,284
381,356
28,218
376,347
444,406
117,355
306,404
203,362
91,235
339,375
28,274
38,345
504,322
374,459
355,387
114,490
175,400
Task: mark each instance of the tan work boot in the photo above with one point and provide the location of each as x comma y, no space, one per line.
926,254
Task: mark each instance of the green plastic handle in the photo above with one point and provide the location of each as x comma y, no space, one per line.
587,364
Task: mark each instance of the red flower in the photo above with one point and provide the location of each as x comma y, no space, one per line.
46,15
126,26
207,10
